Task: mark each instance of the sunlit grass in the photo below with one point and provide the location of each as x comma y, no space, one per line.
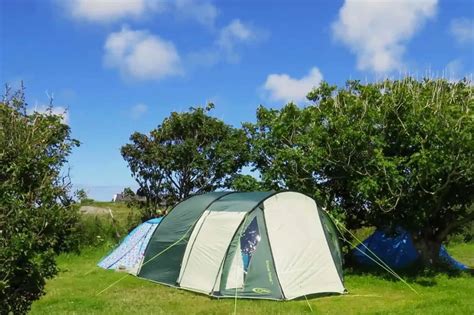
74,291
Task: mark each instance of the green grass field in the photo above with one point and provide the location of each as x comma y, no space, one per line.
74,291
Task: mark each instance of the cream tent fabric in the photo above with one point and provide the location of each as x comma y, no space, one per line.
208,251
302,255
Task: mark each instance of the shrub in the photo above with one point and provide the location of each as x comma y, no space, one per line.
37,216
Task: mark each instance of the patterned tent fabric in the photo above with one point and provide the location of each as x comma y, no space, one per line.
129,254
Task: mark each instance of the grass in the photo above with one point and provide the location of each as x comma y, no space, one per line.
74,291
463,252
120,211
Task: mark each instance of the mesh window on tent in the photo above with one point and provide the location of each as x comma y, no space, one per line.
248,243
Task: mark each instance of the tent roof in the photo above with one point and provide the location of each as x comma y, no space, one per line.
239,201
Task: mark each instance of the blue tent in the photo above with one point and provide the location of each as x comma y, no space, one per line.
396,250
129,254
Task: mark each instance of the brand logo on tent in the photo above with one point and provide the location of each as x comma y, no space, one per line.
261,291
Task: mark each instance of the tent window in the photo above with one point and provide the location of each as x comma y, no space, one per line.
248,242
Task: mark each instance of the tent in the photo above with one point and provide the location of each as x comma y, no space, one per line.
396,250
267,245
128,256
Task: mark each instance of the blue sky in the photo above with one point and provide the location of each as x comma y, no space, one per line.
122,66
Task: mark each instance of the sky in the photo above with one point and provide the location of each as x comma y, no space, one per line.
116,67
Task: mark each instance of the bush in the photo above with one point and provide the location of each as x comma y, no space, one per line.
96,230
37,216
466,235
99,229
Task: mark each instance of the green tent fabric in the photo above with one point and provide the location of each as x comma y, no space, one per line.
267,245
173,235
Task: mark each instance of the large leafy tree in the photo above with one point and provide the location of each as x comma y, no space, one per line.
393,153
188,153
37,216
283,149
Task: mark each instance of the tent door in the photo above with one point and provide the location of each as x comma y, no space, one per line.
208,249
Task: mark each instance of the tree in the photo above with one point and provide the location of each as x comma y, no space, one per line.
242,182
128,193
138,201
393,153
81,195
189,153
282,147
37,215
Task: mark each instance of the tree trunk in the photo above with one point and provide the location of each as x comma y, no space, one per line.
428,249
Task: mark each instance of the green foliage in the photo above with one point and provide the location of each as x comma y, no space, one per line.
245,183
465,235
467,232
128,193
100,229
283,149
82,197
189,153
139,202
97,230
388,153
37,216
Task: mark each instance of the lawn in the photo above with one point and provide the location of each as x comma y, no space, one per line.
74,291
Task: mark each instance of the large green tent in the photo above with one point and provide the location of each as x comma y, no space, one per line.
246,244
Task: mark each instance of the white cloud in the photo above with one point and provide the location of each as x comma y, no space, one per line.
141,55
463,30
376,31
203,12
138,110
51,110
105,11
111,10
282,87
225,47
233,34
